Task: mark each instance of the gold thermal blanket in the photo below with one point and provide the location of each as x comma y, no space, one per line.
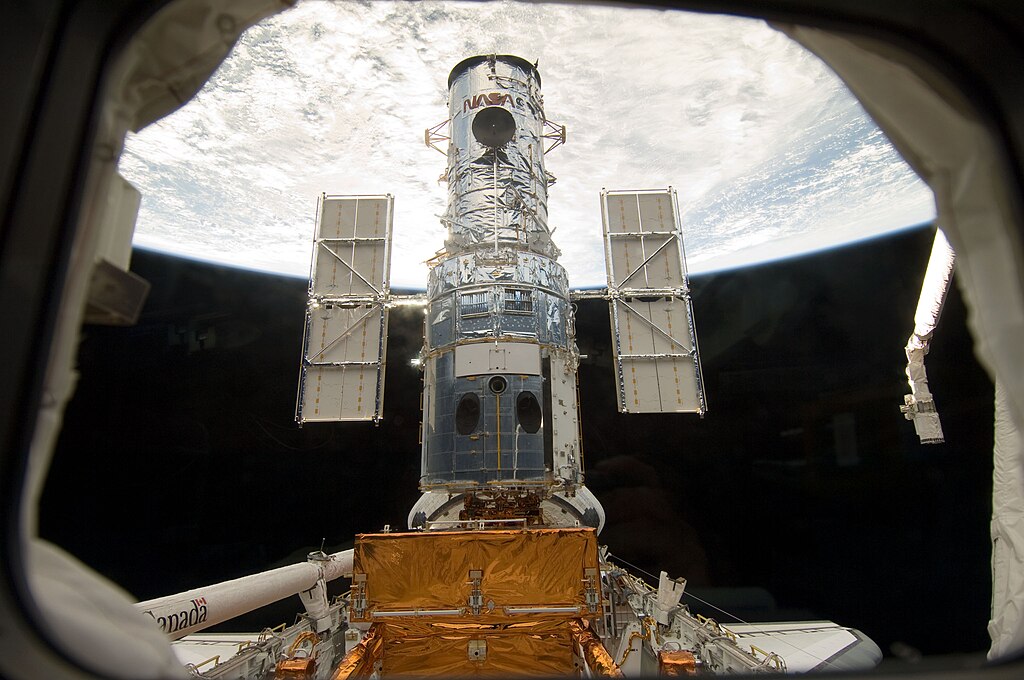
414,574
520,568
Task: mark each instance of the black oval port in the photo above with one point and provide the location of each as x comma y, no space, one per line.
528,412
497,384
467,413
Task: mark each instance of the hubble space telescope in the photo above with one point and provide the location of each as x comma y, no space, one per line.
501,427
501,573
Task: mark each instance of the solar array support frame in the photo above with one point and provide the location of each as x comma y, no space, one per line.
344,345
657,359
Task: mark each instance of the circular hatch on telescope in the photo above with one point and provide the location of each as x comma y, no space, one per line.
494,126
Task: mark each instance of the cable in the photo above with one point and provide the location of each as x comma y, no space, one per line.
277,441
642,571
729,614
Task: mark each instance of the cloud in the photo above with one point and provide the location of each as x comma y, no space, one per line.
763,143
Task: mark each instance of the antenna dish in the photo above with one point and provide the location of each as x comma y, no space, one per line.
494,126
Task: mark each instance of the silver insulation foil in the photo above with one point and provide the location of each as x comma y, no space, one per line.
497,196
498,310
472,297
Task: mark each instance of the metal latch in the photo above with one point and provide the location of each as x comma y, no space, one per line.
476,597
359,603
593,592
477,650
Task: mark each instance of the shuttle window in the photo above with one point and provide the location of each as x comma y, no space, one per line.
518,301
475,304
467,414
528,412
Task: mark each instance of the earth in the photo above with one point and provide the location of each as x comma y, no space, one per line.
769,152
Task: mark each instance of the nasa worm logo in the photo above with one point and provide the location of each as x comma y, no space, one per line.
495,99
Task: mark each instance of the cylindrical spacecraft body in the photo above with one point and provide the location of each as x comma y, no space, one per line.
499,403
497,185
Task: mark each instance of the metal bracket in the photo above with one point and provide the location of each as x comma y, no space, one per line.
359,603
476,597
591,576
477,650
553,132
432,136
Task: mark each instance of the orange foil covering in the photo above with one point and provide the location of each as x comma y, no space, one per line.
415,648
420,572
676,662
295,669
597,657
520,568
359,661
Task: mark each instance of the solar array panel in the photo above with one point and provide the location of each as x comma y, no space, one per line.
657,361
344,348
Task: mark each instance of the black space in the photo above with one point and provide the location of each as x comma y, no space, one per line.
180,464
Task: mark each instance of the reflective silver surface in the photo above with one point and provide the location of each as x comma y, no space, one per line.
497,196
498,318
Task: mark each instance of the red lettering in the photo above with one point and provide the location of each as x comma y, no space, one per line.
490,99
